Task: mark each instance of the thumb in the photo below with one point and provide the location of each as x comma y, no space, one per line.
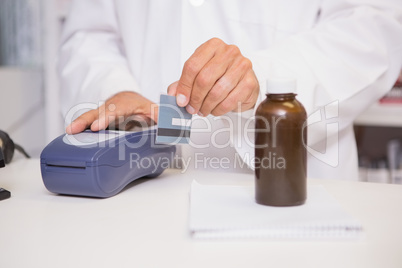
172,89
181,98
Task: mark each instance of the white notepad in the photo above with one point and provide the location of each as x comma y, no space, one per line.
221,211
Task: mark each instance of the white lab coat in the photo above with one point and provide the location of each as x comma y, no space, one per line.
344,54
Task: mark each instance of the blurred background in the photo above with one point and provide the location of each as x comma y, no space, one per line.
29,38
29,107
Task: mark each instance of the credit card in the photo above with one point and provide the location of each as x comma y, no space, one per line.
174,122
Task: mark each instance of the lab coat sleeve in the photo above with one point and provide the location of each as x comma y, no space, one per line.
92,63
349,59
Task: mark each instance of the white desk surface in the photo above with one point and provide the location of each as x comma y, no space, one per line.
147,226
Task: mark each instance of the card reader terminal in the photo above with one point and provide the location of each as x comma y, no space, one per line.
101,164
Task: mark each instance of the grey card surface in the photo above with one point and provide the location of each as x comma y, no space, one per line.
174,122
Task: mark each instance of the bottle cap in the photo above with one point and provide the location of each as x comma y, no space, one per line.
280,79
281,85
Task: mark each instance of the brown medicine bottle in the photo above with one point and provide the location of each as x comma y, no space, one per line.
280,152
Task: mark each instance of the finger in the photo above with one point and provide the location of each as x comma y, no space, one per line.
225,85
100,124
108,113
192,67
76,126
82,122
249,81
207,78
237,97
115,112
216,95
154,112
172,89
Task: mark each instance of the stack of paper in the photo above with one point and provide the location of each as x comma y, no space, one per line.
219,211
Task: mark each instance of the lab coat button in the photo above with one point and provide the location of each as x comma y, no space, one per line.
196,3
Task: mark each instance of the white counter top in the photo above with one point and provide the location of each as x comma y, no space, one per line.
147,226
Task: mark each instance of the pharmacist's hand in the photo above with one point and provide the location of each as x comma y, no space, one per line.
119,112
216,79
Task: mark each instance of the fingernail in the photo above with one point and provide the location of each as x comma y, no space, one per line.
200,114
181,100
190,109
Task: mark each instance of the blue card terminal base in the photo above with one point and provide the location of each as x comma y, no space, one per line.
174,122
101,164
